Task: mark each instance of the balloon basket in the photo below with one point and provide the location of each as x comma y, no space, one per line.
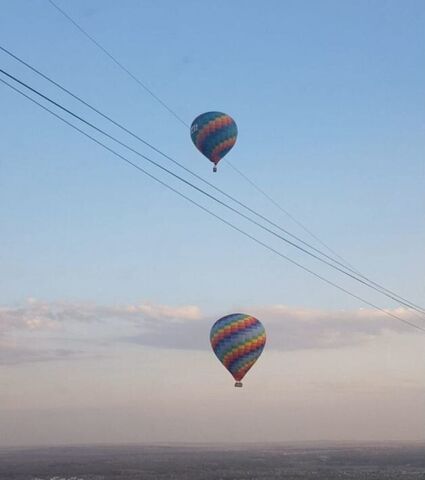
238,384
214,169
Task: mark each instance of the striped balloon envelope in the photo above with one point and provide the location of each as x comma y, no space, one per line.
214,135
238,340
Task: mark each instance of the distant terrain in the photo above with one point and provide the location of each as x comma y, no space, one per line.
214,462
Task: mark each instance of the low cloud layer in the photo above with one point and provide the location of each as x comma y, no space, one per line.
50,326
37,315
300,328
14,354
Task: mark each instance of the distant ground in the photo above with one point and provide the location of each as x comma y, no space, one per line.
214,462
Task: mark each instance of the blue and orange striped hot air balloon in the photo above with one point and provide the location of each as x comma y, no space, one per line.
214,135
238,340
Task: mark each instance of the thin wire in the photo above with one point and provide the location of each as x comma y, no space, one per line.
265,194
343,262
382,289
170,110
226,222
200,190
120,65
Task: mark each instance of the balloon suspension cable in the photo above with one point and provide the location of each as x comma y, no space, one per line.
238,384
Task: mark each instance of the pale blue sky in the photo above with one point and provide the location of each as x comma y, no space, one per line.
328,97
329,101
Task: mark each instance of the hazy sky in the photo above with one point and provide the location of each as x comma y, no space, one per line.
109,284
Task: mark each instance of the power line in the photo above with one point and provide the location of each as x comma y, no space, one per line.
295,220
173,112
289,242
343,262
117,62
226,222
380,288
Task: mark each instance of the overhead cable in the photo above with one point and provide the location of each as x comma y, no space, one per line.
400,299
211,213
143,85
291,243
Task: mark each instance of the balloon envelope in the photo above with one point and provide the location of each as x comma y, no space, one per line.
238,341
214,134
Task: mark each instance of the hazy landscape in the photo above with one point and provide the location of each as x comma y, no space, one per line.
214,462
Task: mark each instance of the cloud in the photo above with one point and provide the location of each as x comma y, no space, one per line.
13,353
28,317
38,315
299,328
158,312
53,325
176,327
288,328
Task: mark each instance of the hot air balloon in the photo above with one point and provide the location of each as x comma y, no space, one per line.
237,341
214,134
